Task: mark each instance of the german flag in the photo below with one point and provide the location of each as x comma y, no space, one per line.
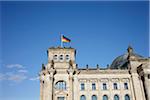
65,39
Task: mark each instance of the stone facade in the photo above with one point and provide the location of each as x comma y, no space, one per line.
127,78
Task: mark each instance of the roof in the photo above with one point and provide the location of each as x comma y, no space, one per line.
61,47
121,61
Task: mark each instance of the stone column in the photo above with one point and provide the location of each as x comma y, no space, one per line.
131,89
71,87
121,88
75,88
142,88
110,95
49,85
136,86
70,84
42,80
48,89
147,86
99,90
41,90
88,89
44,89
52,83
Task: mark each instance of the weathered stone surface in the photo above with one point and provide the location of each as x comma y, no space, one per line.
61,67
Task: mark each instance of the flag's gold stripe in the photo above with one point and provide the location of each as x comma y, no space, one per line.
64,40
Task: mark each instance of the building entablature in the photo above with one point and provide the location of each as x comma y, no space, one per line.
104,80
107,71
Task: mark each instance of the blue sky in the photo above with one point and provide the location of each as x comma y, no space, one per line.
99,31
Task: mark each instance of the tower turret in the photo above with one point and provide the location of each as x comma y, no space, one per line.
61,57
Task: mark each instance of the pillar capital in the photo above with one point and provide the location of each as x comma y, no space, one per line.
51,71
70,71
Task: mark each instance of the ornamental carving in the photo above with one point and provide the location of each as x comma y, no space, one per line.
104,79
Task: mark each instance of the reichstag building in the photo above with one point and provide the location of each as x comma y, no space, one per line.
127,78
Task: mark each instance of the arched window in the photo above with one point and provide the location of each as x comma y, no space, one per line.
55,57
105,97
94,97
67,58
82,97
126,97
60,85
61,57
116,97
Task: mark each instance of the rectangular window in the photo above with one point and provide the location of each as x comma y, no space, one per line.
93,86
115,86
126,86
148,76
61,98
82,86
104,86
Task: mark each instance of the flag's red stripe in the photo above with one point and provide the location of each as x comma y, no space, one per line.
66,39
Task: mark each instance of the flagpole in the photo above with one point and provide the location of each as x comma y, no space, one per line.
61,43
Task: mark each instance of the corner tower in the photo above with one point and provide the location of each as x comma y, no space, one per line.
61,57
56,77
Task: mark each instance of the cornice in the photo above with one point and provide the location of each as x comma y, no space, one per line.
60,48
108,71
104,79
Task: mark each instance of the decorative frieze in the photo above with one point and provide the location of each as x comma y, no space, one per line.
108,71
104,80
115,80
125,80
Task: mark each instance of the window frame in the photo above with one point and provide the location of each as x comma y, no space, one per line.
93,97
115,86
104,98
93,86
60,98
116,95
127,95
82,86
55,57
104,86
61,57
82,97
67,57
61,85
126,87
